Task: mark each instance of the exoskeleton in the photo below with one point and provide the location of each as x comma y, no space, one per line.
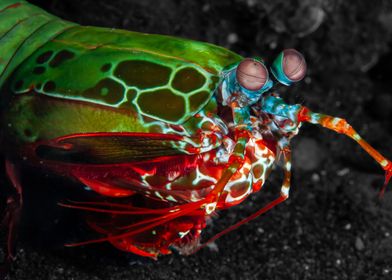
189,128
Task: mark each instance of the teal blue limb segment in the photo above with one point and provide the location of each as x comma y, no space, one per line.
277,70
276,106
241,116
24,28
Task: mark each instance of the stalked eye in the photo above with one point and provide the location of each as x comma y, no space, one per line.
252,74
289,67
294,65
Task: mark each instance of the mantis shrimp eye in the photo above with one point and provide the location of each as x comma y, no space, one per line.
252,74
289,67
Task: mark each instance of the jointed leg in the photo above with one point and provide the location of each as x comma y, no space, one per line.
13,211
284,194
341,126
284,191
235,162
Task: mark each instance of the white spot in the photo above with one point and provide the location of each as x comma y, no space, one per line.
285,191
210,207
288,165
315,117
171,198
206,142
222,156
153,232
384,163
335,121
157,194
182,234
356,137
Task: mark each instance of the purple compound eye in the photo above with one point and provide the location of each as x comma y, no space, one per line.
251,74
294,65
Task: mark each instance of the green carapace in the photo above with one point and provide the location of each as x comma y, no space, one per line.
161,131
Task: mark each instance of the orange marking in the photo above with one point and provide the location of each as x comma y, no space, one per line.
12,6
372,152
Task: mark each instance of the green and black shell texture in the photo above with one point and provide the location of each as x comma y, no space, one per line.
162,77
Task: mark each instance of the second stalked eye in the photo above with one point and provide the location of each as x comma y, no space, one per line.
289,67
294,65
252,74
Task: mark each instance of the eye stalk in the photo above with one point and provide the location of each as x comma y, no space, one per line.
289,67
251,74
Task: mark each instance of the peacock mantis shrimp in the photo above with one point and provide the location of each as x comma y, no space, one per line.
188,128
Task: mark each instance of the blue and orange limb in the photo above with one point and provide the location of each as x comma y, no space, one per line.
343,127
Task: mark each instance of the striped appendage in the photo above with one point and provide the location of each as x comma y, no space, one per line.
341,126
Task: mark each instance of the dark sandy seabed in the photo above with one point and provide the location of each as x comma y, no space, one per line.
332,227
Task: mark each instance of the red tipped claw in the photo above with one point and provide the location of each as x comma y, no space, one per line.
388,176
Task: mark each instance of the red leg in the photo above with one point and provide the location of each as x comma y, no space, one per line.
12,214
236,160
284,194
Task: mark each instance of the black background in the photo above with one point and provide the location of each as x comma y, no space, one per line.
333,226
